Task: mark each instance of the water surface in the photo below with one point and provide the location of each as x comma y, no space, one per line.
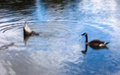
57,51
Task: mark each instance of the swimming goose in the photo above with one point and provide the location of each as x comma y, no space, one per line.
96,44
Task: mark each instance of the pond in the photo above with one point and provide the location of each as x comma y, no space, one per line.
57,50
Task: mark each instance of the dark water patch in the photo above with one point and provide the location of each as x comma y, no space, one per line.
17,5
6,46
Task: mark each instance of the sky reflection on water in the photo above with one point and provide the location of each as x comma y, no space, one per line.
57,51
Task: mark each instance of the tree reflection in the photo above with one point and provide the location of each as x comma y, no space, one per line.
57,1
16,4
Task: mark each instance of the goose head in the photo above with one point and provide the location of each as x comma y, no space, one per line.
84,34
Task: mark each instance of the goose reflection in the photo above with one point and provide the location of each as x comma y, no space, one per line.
95,44
26,39
84,52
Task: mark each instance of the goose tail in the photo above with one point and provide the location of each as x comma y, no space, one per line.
107,43
27,29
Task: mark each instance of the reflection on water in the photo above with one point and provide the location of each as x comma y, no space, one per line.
57,50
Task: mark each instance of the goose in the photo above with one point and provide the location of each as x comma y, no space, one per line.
28,31
95,44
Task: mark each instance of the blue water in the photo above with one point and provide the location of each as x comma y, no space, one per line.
57,51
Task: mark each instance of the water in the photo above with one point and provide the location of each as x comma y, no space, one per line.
57,51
